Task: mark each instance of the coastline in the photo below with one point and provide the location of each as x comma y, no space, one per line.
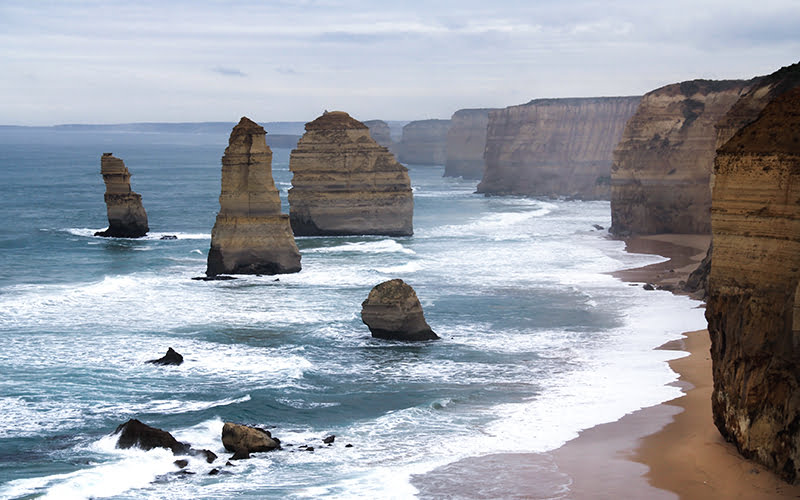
667,451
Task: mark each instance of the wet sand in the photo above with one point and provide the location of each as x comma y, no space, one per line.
667,451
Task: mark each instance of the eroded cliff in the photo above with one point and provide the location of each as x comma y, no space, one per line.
250,235
126,215
466,142
379,130
753,307
424,142
345,183
662,164
554,147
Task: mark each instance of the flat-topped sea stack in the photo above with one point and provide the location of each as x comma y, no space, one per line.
555,147
424,142
466,142
392,311
345,183
126,215
662,166
753,307
251,235
380,131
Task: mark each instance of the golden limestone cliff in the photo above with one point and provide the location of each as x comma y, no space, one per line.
466,142
126,215
554,147
345,183
424,142
753,305
250,235
662,164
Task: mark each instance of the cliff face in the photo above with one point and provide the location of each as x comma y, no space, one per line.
345,183
380,132
662,165
466,142
424,142
753,307
126,215
554,147
250,235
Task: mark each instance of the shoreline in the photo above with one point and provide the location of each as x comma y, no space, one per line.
668,451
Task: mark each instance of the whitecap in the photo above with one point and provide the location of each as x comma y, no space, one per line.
381,246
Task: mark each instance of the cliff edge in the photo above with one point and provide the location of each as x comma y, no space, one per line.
554,147
753,306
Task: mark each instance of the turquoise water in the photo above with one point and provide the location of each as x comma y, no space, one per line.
538,341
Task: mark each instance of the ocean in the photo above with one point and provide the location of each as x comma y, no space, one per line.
538,340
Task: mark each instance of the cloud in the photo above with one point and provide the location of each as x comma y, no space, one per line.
228,71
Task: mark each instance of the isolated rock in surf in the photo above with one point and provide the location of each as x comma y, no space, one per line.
250,235
244,439
172,357
753,307
392,311
126,215
345,183
134,433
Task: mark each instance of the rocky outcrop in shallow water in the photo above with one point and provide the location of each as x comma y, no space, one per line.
250,235
345,183
662,164
554,147
134,433
392,311
126,215
466,142
753,306
243,439
424,142
172,357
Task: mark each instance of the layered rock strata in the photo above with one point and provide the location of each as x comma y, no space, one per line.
466,142
380,131
126,215
345,183
424,142
662,164
753,306
250,235
392,311
555,147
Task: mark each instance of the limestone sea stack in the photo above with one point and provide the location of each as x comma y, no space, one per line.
380,131
466,142
753,308
345,183
424,142
392,311
555,147
250,235
662,165
126,215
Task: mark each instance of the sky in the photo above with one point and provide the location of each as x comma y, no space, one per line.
108,61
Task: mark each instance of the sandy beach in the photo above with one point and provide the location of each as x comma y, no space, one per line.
667,451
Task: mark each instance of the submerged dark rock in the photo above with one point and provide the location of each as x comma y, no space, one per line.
170,358
219,277
392,311
329,439
168,237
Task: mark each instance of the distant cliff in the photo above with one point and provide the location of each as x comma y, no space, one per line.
554,147
753,307
424,142
466,142
662,165
380,132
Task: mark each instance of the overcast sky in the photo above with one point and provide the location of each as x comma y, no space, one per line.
133,61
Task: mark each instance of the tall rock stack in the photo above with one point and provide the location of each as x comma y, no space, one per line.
126,215
345,183
424,142
555,147
753,307
662,165
466,142
251,235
